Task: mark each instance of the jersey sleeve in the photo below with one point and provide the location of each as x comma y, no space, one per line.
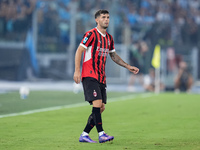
87,40
112,47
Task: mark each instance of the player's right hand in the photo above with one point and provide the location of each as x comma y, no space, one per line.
77,77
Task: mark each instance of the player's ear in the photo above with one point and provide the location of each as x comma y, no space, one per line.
96,20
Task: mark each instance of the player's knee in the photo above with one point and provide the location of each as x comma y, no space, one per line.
97,103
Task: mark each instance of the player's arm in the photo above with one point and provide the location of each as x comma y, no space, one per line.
120,62
78,56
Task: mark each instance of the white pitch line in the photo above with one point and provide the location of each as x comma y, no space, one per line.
123,98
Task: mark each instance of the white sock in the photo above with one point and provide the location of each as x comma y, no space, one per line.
84,133
101,133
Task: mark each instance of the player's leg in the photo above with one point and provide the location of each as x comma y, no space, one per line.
92,93
95,93
96,113
90,123
98,106
94,119
102,108
103,137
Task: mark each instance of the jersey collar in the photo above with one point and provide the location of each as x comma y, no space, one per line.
100,32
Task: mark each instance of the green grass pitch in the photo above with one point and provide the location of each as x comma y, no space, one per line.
166,121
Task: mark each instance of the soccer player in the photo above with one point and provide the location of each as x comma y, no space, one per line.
96,45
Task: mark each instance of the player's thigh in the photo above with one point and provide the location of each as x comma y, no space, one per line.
97,103
102,107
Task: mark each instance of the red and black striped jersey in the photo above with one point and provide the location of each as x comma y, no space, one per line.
97,47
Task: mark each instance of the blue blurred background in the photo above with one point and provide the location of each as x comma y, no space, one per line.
38,38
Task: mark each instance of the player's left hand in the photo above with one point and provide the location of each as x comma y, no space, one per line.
133,69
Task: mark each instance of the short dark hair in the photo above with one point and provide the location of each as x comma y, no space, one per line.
99,12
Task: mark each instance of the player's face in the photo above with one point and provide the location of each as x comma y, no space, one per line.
103,21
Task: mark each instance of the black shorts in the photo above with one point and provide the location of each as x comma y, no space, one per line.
93,90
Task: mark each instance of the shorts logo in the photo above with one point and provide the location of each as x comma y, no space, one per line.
95,93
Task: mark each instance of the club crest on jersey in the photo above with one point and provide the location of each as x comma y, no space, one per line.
85,40
95,93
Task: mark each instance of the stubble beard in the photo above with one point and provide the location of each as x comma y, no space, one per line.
105,27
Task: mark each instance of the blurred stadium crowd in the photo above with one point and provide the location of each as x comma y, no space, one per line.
15,18
172,20
170,23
